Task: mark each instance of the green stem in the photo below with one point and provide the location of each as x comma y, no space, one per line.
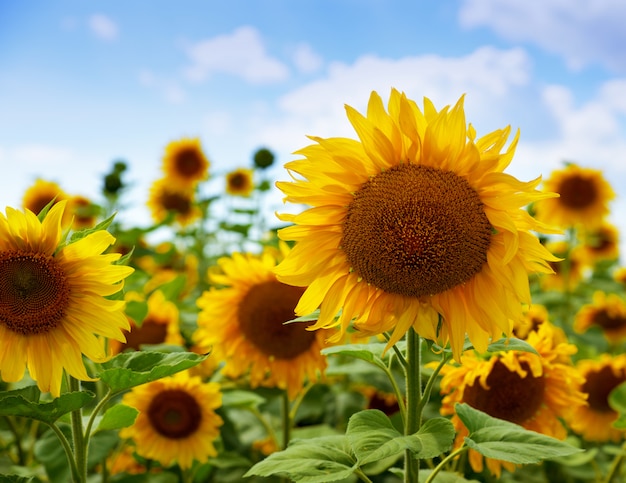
444,462
615,466
430,383
80,453
21,459
398,393
397,351
413,401
286,419
68,451
362,476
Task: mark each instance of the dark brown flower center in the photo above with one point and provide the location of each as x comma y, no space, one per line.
176,202
608,321
416,231
189,163
34,292
238,181
39,203
510,396
150,332
577,192
175,414
598,386
263,312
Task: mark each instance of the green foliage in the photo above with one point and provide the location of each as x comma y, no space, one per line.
617,401
25,402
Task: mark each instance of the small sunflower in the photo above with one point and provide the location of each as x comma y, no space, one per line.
176,421
619,275
601,243
184,163
244,323
166,198
594,421
240,182
534,316
52,298
42,192
414,222
608,312
568,270
534,391
160,326
583,201
83,211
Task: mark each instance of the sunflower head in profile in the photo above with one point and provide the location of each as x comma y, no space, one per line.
583,202
159,326
534,391
184,163
244,322
177,422
240,182
166,198
53,308
594,422
607,312
415,225
42,192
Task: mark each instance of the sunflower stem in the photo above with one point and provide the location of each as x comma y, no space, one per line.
68,452
78,437
286,414
444,462
413,402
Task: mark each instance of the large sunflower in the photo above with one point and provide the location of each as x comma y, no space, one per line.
415,220
176,421
534,391
184,163
52,298
583,201
244,323
594,422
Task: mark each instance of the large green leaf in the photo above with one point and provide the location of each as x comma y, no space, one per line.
131,369
502,440
318,460
117,417
617,401
25,402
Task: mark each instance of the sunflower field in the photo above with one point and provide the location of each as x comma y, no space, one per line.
415,314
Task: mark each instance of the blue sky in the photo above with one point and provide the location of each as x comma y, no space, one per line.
84,83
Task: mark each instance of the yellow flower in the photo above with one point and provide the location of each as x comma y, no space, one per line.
166,198
568,270
52,298
184,163
83,211
583,201
244,323
601,243
531,390
594,421
416,220
176,421
619,275
160,326
534,316
240,182
608,312
42,192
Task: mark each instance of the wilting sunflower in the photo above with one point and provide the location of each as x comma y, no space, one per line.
160,326
583,201
52,298
601,243
176,421
608,312
240,182
166,198
244,323
534,391
184,163
416,220
594,421
42,192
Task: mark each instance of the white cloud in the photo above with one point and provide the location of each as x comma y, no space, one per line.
582,31
241,53
170,90
103,27
306,59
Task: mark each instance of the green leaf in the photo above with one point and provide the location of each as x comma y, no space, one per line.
117,417
371,353
502,440
317,460
445,477
24,402
103,225
137,311
511,344
130,369
241,399
617,401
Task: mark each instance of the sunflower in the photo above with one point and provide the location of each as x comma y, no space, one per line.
244,323
176,421
594,421
160,326
414,226
240,182
534,391
52,298
568,270
184,163
583,201
608,312
619,275
601,243
42,192
84,212
534,316
166,198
